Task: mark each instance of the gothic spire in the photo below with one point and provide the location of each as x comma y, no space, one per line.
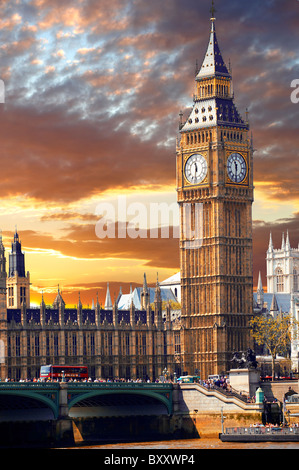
16,258
108,302
274,305
58,300
119,296
43,301
79,301
214,91
270,248
283,245
288,246
260,292
259,284
157,291
144,283
213,63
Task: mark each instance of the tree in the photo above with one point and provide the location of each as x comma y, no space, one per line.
274,333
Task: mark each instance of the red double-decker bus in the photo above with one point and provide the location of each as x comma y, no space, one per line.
66,372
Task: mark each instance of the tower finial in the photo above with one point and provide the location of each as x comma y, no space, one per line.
213,10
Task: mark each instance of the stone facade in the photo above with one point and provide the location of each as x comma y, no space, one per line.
127,344
114,343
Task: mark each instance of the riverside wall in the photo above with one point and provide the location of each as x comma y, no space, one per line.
197,413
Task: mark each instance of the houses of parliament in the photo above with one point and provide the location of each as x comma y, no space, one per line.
112,341
214,166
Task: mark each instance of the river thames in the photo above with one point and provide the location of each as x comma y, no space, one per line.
192,444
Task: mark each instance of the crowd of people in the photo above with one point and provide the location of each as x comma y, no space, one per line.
222,382
271,425
96,380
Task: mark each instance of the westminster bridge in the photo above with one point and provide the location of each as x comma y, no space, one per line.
56,400
67,413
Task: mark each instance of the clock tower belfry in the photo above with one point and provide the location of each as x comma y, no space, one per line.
215,195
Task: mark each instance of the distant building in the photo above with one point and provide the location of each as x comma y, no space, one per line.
282,267
173,283
139,296
282,296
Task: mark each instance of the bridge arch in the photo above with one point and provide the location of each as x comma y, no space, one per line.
162,399
32,397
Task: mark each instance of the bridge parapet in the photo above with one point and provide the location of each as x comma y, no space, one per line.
29,385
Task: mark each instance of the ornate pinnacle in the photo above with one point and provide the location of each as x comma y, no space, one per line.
213,10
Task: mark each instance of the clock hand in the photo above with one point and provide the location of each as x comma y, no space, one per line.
236,168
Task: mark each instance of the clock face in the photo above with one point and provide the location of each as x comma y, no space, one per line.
196,169
236,167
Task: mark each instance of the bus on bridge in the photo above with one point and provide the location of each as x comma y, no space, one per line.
68,372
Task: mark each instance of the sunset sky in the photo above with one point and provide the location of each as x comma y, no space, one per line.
93,92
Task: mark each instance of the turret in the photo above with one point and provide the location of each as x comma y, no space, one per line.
18,283
145,298
97,312
59,304
16,258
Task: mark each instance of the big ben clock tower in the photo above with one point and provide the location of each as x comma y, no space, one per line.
215,195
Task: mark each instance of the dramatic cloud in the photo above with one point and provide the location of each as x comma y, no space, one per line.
93,91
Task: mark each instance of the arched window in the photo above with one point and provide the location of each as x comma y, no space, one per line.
279,280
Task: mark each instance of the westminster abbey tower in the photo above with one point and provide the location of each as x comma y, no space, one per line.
215,194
